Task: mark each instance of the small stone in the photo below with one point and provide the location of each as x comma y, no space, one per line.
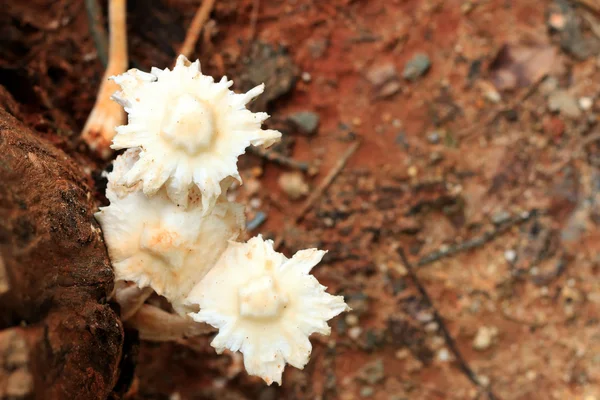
510,256
416,67
367,391
484,338
443,355
585,103
293,184
500,217
257,221
434,137
432,327
354,332
306,77
548,85
352,319
373,372
561,101
483,380
306,121
557,21
412,171
255,203
382,74
402,354
531,375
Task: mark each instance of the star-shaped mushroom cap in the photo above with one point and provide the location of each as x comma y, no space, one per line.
153,242
265,305
190,130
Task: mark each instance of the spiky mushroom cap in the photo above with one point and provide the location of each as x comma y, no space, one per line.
265,305
190,130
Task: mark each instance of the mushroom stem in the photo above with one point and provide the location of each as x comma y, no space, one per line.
158,325
107,114
131,298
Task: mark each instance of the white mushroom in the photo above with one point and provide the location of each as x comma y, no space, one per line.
265,305
190,130
155,243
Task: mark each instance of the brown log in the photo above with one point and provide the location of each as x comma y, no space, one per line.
59,338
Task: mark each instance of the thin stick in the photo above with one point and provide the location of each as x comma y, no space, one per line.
494,117
195,28
466,369
339,166
325,183
97,30
476,242
280,159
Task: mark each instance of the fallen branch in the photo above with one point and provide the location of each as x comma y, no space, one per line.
193,32
466,369
476,242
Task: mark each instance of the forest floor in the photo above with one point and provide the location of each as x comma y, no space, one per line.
477,156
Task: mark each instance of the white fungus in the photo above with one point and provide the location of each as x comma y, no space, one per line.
265,305
189,128
153,242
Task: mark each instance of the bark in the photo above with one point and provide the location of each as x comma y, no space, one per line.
59,338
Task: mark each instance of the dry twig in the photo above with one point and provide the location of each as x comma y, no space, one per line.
200,18
280,159
476,242
467,133
325,183
449,340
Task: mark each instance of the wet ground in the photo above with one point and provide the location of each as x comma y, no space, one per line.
477,156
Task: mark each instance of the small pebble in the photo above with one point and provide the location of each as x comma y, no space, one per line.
510,256
500,217
352,319
255,203
412,171
306,77
306,121
293,184
434,137
484,338
257,221
443,355
354,332
367,391
564,103
585,103
416,67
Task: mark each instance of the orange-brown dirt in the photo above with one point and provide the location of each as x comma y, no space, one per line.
483,168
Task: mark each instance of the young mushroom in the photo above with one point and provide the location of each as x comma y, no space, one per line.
190,130
265,306
156,243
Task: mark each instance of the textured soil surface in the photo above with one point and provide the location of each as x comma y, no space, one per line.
478,159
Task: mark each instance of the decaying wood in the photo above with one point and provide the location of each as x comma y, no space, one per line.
59,339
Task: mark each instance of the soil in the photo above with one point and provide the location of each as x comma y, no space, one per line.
480,162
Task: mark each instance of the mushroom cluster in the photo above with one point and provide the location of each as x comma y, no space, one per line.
170,227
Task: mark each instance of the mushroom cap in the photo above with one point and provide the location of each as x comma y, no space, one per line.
265,306
190,130
156,243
